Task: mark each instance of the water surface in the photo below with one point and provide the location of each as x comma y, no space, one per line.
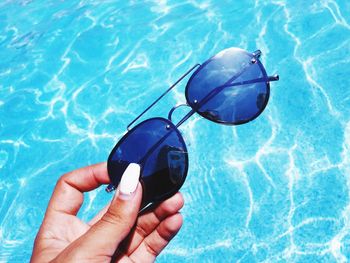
73,74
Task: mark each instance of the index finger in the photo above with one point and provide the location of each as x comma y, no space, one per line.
68,194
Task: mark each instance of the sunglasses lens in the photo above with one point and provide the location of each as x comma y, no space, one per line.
229,88
157,145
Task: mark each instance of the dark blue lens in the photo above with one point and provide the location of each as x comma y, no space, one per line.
157,145
231,87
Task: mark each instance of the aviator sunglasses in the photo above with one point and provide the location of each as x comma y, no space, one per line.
230,88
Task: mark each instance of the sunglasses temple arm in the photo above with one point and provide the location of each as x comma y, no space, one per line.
217,90
185,118
268,79
161,96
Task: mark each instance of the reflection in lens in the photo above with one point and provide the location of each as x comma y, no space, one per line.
229,88
158,147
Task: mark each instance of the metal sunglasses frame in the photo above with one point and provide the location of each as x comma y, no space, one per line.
195,105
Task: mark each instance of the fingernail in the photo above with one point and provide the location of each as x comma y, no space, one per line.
129,181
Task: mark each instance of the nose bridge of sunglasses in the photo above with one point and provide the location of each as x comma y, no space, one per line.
170,115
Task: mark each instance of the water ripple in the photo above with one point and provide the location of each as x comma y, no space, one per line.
74,74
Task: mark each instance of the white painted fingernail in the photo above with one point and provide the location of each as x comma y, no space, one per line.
129,181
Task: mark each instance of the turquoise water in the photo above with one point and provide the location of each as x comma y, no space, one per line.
73,74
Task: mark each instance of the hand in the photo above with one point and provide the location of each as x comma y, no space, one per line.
116,234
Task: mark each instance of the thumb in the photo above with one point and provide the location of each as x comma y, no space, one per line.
105,236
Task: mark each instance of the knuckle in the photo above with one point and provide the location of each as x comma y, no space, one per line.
140,231
61,181
114,217
150,249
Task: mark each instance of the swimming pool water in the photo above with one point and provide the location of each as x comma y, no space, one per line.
73,74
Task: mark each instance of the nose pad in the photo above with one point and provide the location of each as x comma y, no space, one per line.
172,161
176,162
169,173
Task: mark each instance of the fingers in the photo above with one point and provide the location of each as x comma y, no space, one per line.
68,194
154,243
105,236
168,207
148,222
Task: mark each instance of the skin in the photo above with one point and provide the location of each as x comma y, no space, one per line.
115,234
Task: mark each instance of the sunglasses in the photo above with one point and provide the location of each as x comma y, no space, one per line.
230,88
